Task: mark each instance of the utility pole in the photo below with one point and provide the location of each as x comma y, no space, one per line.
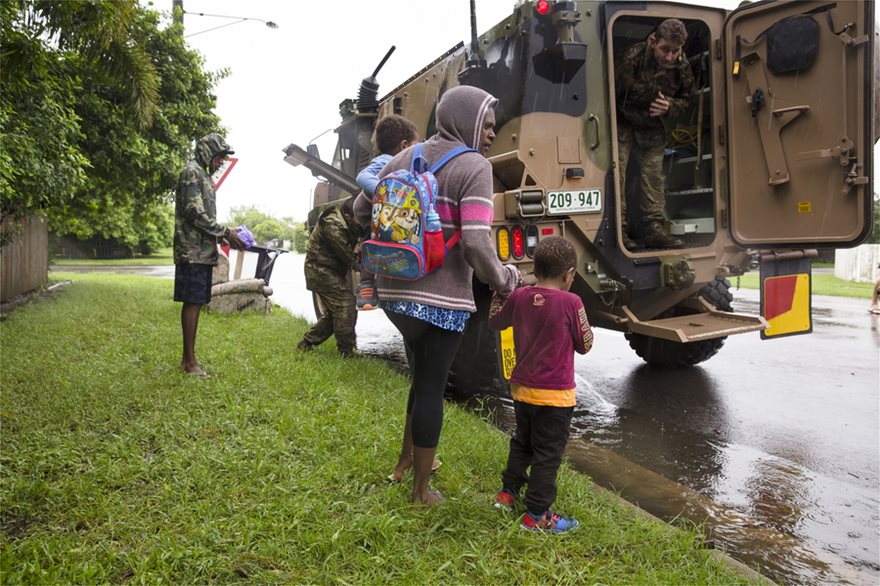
177,11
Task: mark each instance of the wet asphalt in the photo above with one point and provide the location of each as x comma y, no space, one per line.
773,446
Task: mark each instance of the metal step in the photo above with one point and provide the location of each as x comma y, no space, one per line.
705,325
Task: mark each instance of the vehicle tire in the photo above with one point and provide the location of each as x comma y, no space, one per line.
717,292
660,353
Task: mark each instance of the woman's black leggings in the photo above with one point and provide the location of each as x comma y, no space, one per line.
431,351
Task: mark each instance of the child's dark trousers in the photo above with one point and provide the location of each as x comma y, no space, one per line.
539,441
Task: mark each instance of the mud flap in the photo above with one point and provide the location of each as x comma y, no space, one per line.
786,295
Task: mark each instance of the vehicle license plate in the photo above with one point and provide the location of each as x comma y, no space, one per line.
572,202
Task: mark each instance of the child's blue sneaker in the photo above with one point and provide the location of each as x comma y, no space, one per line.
504,500
366,296
549,522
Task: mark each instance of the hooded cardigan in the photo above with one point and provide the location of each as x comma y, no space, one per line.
465,204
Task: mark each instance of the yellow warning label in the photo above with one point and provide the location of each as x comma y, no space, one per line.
508,353
805,207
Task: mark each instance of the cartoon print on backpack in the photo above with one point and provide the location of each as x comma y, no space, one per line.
406,220
399,246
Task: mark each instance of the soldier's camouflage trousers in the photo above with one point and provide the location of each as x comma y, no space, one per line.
645,147
339,319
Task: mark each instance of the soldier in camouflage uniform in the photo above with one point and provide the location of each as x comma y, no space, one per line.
196,232
330,256
653,79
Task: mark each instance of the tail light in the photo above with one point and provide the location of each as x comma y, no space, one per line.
542,7
518,242
502,243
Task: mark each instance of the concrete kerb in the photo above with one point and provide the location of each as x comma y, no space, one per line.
738,568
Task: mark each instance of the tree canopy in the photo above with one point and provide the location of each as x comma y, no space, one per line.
268,230
98,113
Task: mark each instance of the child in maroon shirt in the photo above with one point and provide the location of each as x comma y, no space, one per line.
549,326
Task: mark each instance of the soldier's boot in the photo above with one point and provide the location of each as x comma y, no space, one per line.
656,237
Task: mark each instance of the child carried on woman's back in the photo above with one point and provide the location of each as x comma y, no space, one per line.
393,134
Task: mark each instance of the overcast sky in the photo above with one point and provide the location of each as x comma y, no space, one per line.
285,84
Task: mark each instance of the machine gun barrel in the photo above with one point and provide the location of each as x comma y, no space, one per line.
297,156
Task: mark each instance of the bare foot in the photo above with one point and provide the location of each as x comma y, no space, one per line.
400,469
194,370
429,499
404,465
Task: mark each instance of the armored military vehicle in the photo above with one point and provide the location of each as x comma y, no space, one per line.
772,160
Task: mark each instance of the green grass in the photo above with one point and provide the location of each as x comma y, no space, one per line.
164,256
821,284
117,468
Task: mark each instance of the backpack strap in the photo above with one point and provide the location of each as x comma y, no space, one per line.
436,167
419,164
452,241
447,157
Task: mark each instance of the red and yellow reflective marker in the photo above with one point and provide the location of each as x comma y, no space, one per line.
786,303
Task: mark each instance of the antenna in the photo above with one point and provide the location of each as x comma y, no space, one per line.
475,46
474,72
369,91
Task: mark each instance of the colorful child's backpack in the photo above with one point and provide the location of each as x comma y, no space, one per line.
406,240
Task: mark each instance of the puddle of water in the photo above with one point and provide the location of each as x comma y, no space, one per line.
792,525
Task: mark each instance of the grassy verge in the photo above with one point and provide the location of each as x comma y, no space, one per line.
822,285
164,256
116,468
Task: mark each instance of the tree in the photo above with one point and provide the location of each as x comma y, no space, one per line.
265,228
97,117
300,237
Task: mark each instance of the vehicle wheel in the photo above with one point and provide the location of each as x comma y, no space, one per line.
717,292
660,353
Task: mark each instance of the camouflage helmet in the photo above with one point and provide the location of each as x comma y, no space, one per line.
210,146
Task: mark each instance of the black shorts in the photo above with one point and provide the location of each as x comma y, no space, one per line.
192,283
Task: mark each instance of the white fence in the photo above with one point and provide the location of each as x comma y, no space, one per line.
858,264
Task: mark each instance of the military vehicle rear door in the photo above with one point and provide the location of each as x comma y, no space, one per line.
798,129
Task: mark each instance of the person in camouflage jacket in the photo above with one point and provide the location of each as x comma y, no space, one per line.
330,256
196,233
653,80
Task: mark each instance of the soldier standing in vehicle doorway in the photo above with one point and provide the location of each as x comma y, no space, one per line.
330,255
196,232
653,80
